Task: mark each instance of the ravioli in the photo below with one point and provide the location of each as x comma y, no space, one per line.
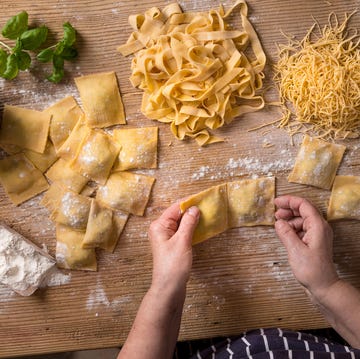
213,207
138,148
21,179
251,202
64,116
25,128
96,156
69,252
345,198
127,192
104,227
101,99
316,163
42,161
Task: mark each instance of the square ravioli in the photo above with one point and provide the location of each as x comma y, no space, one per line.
61,172
21,179
345,198
101,99
25,128
69,252
138,148
316,163
96,156
64,116
104,227
251,202
42,161
213,207
127,192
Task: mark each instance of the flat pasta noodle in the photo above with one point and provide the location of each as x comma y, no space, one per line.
193,69
44,160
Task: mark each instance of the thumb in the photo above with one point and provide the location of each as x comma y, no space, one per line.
188,223
287,235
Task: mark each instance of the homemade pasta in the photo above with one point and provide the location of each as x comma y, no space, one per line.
193,69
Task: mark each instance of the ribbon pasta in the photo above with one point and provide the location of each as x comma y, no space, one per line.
193,68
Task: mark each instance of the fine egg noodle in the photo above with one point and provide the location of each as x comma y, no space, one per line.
194,71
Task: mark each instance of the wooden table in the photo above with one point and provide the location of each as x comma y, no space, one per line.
240,279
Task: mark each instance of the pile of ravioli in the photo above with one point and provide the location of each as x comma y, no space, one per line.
93,188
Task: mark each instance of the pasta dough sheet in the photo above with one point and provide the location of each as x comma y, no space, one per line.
317,162
345,198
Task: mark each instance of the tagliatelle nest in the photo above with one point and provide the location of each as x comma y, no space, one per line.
319,82
193,68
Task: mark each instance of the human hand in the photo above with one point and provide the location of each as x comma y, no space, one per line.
170,237
308,239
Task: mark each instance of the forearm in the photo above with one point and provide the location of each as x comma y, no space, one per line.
340,304
156,326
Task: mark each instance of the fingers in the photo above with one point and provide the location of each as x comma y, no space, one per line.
288,236
188,224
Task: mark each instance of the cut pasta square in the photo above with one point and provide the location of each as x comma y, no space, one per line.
65,114
42,161
21,179
127,192
138,148
213,207
104,227
25,128
251,202
345,198
316,163
101,99
61,172
96,156
69,252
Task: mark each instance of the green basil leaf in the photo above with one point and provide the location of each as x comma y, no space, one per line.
58,62
60,46
56,75
45,55
69,53
23,60
18,46
32,39
15,26
12,68
3,57
69,34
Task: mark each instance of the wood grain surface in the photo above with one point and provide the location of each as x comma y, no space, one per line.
240,279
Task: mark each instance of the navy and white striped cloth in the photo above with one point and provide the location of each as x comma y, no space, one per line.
277,344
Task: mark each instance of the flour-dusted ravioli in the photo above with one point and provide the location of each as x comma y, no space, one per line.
127,192
96,156
69,148
72,210
251,202
61,172
316,163
11,149
25,128
21,179
69,252
42,161
101,99
138,148
345,198
104,227
64,116
213,207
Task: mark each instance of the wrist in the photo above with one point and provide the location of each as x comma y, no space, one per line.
320,293
168,293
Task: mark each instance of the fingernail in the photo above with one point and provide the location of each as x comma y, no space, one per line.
194,211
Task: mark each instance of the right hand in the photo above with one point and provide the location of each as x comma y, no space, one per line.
308,240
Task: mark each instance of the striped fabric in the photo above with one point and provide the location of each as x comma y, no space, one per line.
277,344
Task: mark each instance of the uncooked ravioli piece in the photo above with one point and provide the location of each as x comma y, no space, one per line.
213,207
25,128
345,198
96,156
251,202
21,179
101,99
317,162
42,161
138,148
69,252
126,191
64,116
